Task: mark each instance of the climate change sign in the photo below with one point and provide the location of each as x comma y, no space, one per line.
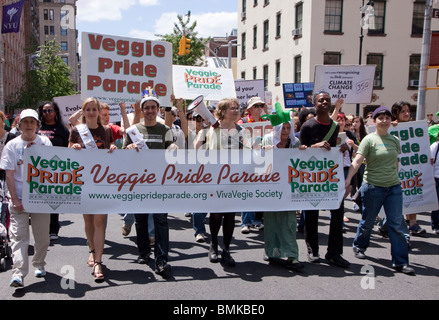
118,69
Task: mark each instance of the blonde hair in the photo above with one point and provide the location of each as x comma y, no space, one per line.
223,105
2,116
84,104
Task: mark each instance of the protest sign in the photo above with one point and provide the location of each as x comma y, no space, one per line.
64,180
214,84
118,69
246,89
415,170
298,95
353,84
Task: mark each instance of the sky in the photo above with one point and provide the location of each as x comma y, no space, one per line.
144,18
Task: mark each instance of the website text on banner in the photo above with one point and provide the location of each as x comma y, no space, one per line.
117,69
63,180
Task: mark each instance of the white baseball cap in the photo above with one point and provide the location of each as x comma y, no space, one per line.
29,113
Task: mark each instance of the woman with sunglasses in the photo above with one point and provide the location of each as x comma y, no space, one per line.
52,127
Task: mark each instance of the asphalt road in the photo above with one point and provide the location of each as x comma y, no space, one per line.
252,279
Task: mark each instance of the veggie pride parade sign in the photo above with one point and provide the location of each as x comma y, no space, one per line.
117,69
64,180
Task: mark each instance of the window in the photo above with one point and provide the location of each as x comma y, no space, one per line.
243,75
255,37
278,24
266,2
46,14
332,58
63,31
52,30
66,60
63,15
299,15
265,77
333,16
243,45
298,69
244,10
377,60
277,79
46,30
255,73
380,15
415,63
64,45
255,3
51,14
418,17
265,47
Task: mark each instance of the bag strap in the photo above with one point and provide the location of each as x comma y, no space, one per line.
331,131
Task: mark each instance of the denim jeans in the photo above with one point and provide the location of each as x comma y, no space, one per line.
249,219
391,198
435,213
161,247
129,219
198,222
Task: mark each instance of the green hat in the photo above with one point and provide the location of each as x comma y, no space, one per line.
433,131
281,116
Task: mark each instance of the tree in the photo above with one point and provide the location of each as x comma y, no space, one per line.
49,77
197,47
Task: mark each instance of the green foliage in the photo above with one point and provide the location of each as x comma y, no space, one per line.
184,27
48,79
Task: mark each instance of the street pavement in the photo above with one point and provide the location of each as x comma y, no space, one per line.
252,279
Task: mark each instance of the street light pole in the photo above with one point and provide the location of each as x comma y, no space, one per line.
425,60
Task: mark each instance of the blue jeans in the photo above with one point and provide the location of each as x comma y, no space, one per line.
391,198
129,219
198,222
435,213
249,219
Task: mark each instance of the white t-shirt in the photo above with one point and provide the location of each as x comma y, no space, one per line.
12,158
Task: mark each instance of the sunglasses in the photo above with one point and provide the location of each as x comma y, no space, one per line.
48,111
258,105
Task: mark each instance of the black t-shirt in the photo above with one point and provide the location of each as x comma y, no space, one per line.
58,134
313,132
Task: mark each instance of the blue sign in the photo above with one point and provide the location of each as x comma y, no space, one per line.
298,95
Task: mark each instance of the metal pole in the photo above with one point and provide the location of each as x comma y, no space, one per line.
425,60
357,111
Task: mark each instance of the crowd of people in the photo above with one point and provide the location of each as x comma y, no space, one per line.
370,168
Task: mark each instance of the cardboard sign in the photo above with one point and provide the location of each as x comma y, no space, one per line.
117,69
353,84
214,84
249,89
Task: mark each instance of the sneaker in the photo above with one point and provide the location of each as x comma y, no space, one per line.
406,270
163,269
259,226
143,258
294,264
313,258
213,253
126,229
16,282
200,238
53,236
40,272
337,260
436,231
416,230
359,254
245,230
227,259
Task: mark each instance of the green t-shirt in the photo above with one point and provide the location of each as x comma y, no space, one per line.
381,153
156,137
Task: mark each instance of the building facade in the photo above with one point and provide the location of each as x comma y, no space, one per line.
283,41
58,21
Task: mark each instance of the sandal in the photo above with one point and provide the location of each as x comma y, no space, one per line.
91,262
98,276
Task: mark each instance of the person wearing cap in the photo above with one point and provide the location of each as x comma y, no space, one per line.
156,136
430,120
381,188
255,108
12,162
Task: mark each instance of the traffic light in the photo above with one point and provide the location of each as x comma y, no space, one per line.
185,46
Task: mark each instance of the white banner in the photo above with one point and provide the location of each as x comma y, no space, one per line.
63,180
354,83
117,69
214,84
